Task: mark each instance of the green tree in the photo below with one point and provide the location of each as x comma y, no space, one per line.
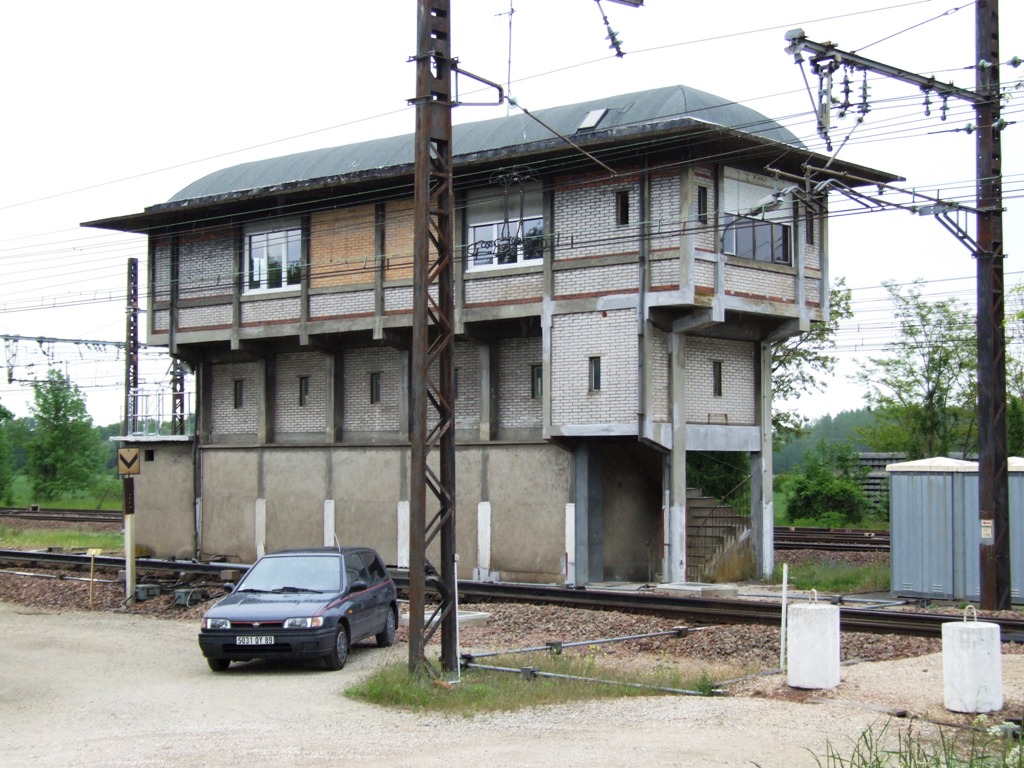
64,453
800,363
6,467
827,490
924,391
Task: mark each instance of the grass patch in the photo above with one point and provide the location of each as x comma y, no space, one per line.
837,577
105,495
483,691
41,538
879,748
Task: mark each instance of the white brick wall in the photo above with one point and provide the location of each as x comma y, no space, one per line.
502,289
360,414
658,371
289,416
664,214
759,283
206,264
467,404
218,315
736,405
589,281
340,304
665,273
270,310
161,269
516,409
225,418
585,218
578,337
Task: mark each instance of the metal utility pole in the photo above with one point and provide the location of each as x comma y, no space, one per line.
433,342
987,248
131,389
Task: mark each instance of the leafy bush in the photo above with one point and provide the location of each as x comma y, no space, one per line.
828,490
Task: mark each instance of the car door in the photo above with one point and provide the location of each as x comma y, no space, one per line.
381,596
361,619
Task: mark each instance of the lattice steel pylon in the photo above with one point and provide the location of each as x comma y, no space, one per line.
432,387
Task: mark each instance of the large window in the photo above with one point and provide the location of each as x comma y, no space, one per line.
756,239
273,258
500,244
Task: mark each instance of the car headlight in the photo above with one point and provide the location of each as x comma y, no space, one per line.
304,622
209,623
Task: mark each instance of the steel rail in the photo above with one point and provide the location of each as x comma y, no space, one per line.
108,561
63,515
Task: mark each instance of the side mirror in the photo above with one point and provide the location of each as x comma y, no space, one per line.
228,586
358,586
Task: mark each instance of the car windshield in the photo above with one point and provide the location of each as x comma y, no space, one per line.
298,573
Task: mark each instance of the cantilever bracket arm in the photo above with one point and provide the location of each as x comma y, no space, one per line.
459,103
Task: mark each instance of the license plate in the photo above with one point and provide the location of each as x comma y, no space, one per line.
255,640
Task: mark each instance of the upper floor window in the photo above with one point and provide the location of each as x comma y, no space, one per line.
756,239
273,256
505,244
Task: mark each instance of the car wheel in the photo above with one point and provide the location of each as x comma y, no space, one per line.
336,659
219,665
386,637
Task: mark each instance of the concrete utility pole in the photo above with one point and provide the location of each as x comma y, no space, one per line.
987,248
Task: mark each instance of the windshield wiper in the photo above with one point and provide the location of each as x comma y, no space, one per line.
254,589
298,589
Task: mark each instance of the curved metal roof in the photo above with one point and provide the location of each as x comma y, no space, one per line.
643,109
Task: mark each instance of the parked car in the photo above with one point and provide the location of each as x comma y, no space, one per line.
303,604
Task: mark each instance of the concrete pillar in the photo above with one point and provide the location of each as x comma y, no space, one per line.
260,527
329,536
674,566
762,509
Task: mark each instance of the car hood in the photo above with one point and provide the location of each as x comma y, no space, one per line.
262,606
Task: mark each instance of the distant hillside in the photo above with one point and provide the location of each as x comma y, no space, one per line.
832,429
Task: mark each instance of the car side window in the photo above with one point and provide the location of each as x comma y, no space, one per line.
355,570
378,572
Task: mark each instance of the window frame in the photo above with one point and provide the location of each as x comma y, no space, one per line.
523,245
375,387
622,208
775,237
594,373
717,376
238,394
257,271
303,391
537,381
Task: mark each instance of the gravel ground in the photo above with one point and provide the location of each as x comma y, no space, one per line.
727,651
763,722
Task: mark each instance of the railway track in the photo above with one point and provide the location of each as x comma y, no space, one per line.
691,610
831,539
827,539
62,515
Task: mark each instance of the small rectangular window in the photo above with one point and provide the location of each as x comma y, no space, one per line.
455,375
808,225
375,387
702,205
303,391
716,378
622,207
536,382
239,387
595,374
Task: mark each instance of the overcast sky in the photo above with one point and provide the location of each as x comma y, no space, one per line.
114,106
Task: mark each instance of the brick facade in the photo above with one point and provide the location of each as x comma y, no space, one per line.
736,404
291,413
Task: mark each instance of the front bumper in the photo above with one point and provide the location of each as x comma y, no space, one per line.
288,644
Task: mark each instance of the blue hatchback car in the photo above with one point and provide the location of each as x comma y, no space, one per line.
303,604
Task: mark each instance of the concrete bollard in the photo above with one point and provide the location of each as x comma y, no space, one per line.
972,668
812,646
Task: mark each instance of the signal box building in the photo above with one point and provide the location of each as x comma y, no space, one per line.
611,316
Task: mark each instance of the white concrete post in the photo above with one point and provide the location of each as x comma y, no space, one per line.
402,550
483,542
329,536
260,526
570,543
